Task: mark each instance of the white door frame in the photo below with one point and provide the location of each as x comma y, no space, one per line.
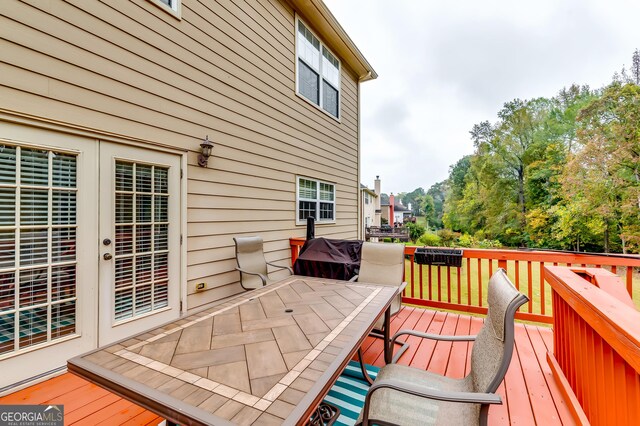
44,357
110,329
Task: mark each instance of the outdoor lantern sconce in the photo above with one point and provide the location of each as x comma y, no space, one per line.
203,157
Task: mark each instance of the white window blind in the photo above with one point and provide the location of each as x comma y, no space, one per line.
317,199
142,239
37,246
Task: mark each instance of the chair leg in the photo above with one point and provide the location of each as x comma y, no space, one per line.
484,415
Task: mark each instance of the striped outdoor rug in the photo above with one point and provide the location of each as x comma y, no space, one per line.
349,391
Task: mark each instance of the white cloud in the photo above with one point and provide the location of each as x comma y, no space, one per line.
444,66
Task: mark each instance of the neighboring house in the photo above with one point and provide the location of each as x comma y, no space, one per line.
394,210
401,213
107,221
370,205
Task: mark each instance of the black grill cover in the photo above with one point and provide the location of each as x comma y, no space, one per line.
326,258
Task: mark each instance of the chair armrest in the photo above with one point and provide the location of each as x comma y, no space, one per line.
402,286
432,336
430,393
437,394
354,279
281,267
262,277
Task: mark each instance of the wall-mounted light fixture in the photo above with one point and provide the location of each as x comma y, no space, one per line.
203,157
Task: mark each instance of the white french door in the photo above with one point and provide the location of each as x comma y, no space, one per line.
139,240
48,250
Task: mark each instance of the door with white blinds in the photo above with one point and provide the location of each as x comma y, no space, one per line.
140,240
48,267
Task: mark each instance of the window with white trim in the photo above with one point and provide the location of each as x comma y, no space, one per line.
38,232
318,72
317,199
171,6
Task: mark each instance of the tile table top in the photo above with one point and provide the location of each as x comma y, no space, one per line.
264,357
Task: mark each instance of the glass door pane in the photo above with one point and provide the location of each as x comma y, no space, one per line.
38,264
141,239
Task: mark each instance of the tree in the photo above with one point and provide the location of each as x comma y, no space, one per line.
428,207
605,173
437,192
635,67
414,198
456,184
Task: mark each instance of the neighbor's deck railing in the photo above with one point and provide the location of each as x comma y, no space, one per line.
465,288
596,348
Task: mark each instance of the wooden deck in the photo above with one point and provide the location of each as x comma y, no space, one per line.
529,391
84,403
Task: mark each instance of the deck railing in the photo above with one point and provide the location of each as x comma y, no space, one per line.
596,346
465,288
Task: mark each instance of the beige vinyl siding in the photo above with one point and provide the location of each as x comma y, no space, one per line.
226,70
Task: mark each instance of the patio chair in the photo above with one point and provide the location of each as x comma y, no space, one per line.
411,396
252,263
383,264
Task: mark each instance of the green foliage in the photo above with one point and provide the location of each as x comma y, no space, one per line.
415,230
447,237
414,198
429,239
466,240
437,192
560,172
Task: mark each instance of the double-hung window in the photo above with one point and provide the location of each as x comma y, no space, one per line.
318,75
317,199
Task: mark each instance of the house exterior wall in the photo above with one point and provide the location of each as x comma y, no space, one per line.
368,208
129,71
384,213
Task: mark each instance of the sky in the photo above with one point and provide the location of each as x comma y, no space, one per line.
444,66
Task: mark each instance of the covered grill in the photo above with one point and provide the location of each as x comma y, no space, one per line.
327,258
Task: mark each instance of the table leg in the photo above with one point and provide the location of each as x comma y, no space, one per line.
388,347
325,415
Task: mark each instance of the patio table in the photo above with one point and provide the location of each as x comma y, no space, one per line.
268,356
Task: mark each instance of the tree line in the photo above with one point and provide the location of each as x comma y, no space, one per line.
560,172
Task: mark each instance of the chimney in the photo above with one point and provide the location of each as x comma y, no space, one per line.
378,212
392,203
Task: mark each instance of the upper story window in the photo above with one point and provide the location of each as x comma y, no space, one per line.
317,199
170,6
318,72
173,4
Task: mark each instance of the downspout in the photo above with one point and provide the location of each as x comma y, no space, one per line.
360,221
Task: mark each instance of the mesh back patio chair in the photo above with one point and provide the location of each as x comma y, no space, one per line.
383,264
410,396
252,263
